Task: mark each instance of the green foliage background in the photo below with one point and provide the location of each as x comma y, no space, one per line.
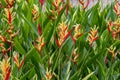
91,62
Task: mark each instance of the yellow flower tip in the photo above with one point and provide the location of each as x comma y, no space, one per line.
16,59
78,32
57,2
63,27
40,43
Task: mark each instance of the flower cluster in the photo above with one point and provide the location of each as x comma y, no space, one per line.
10,31
5,69
6,39
55,12
93,35
82,2
112,51
77,33
114,28
40,40
116,8
16,60
9,3
63,34
75,56
35,12
48,75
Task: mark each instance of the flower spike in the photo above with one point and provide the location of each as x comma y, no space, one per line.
93,35
16,60
5,68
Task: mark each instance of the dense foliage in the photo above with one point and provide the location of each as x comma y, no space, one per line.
54,40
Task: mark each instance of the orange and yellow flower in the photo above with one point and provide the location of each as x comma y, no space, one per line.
77,33
112,51
16,60
5,69
9,15
114,28
82,2
63,34
48,75
75,56
9,3
116,8
93,35
40,43
35,12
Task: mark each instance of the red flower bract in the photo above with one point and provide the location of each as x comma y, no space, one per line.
39,30
42,2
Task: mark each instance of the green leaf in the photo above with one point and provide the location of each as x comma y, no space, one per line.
19,47
26,75
88,76
101,69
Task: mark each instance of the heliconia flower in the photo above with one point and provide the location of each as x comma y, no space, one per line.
4,39
112,51
60,9
5,68
10,15
77,33
63,34
48,75
75,56
82,2
5,51
39,30
110,25
40,43
116,8
116,30
35,12
114,35
50,17
93,35
14,34
9,3
16,60
68,5
42,2
10,30
57,6
56,3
